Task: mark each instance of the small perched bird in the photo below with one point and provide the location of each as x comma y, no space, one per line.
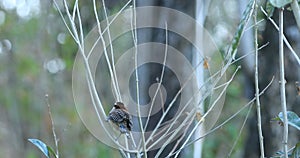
119,116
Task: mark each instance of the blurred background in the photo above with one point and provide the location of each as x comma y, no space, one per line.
37,55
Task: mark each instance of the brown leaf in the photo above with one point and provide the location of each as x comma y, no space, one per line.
198,116
205,63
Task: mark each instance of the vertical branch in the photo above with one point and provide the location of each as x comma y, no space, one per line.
161,78
78,38
284,38
119,98
105,51
52,125
258,110
207,112
111,66
134,34
226,121
201,14
282,84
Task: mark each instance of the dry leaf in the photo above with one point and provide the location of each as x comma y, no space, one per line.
205,63
198,116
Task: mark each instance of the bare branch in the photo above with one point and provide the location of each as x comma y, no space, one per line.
52,125
240,132
161,78
226,121
258,110
284,38
134,36
282,85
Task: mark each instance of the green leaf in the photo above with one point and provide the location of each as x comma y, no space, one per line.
41,145
269,9
296,151
241,28
280,3
51,151
293,119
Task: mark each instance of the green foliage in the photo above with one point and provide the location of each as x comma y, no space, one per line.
293,119
296,151
269,9
280,154
28,66
280,3
294,154
46,150
214,143
241,28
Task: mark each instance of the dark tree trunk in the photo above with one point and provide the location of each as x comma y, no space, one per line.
270,101
152,71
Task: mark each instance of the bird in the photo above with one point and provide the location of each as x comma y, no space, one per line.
119,116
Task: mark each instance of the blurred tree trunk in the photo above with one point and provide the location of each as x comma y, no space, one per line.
201,14
151,71
270,101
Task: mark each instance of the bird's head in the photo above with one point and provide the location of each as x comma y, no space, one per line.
119,105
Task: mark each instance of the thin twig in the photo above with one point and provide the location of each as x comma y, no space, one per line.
74,10
80,26
282,85
115,92
106,28
203,97
240,132
52,125
91,85
258,110
161,79
134,36
64,20
179,114
119,97
230,118
284,38
219,75
171,105
182,136
89,77
180,127
121,148
251,53
208,111
170,127
255,24
113,73
73,25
